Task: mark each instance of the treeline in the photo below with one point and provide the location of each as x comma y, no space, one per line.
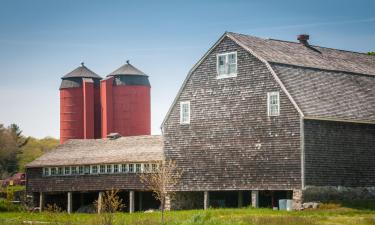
16,150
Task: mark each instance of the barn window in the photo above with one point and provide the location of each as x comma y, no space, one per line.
146,168
154,167
273,103
115,168
80,169
227,65
87,169
131,168
185,112
53,171
124,168
74,170
102,168
60,171
46,172
138,168
67,170
109,168
94,169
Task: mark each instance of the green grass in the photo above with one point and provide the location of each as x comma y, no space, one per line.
329,215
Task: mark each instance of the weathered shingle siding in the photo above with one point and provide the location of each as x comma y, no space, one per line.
338,153
37,183
231,143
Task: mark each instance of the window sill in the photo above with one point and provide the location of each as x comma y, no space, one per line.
226,76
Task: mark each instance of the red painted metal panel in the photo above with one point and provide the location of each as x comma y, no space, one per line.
88,109
71,114
97,114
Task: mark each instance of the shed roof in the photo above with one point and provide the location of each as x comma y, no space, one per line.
81,71
100,151
127,69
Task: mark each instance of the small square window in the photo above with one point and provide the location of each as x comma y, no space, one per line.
154,167
185,112
109,168
94,169
80,169
67,170
124,168
115,168
102,168
46,171
87,169
146,168
74,170
131,168
53,171
138,168
60,171
273,103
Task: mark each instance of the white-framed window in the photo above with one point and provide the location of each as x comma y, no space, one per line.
226,65
102,168
138,168
124,168
146,168
185,112
94,169
87,169
74,170
131,168
273,103
67,170
154,167
46,171
80,169
60,171
109,168
53,171
115,168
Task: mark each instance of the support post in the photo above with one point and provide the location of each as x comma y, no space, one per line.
41,201
167,205
100,202
131,201
70,203
240,199
297,199
206,200
140,200
255,199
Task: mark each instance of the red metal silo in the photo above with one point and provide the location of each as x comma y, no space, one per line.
126,103
80,105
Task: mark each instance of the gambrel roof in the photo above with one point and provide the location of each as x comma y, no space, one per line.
322,83
145,148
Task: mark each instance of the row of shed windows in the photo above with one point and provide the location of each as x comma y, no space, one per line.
273,107
101,169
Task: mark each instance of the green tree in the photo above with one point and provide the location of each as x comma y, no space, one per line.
8,152
371,53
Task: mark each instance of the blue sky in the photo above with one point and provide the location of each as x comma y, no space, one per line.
40,41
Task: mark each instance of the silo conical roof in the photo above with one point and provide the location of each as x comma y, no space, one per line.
127,69
81,71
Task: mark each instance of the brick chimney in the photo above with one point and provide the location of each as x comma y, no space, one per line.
303,39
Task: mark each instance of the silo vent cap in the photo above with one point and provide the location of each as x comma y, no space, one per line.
113,136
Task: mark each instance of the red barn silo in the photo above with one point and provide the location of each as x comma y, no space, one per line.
126,103
80,114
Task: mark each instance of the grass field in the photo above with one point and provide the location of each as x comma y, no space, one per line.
328,214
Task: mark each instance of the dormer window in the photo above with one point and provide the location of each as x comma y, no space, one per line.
227,65
273,103
185,112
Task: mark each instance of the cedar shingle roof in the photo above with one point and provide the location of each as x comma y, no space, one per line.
297,54
330,94
97,151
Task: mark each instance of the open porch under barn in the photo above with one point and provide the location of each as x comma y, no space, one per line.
86,202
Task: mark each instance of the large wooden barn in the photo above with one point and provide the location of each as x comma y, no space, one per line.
256,120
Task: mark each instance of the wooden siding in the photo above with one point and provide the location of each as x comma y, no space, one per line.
37,183
339,153
231,143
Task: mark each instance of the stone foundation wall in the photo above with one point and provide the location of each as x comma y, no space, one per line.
187,200
337,194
